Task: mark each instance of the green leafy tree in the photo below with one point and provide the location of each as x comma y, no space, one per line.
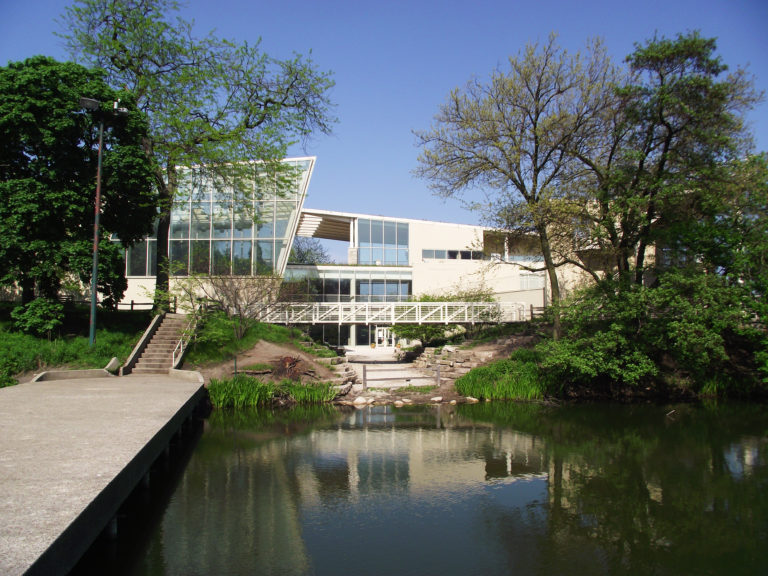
48,159
211,102
657,161
508,137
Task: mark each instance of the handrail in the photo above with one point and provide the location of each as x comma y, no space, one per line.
186,335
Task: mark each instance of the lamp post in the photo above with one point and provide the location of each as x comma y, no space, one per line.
94,106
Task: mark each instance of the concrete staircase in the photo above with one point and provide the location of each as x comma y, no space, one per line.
157,357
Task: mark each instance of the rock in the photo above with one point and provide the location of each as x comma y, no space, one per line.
360,400
472,400
436,399
407,401
399,404
453,402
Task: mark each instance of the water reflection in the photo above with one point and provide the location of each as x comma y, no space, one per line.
491,489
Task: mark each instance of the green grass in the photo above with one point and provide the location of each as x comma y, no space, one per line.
515,378
258,366
23,352
242,391
416,389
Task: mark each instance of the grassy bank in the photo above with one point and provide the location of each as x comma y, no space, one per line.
116,336
243,391
215,340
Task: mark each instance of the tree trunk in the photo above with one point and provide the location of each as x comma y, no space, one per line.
554,283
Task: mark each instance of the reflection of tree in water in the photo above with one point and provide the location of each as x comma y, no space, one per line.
632,490
242,489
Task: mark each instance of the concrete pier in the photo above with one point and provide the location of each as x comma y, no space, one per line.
71,451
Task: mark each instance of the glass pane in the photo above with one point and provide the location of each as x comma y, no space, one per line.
465,255
179,256
377,255
241,258
264,262
265,224
364,232
377,233
390,256
243,220
283,213
200,262
390,234
427,254
377,290
344,286
222,220
221,257
180,220
453,254
402,234
137,259
364,256
440,254
405,289
201,221
402,257
153,257
331,290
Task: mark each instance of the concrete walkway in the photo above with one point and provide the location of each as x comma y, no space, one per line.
383,371
70,453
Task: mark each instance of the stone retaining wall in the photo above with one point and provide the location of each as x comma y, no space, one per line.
453,362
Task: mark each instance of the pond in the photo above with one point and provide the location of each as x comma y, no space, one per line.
471,489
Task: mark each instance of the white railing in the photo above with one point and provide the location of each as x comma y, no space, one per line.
394,313
186,335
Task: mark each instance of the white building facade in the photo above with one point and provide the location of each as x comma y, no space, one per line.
220,231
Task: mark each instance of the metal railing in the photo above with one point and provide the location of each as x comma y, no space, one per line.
186,336
394,313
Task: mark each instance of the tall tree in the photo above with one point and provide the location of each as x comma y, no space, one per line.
662,155
211,102
508,137
48,158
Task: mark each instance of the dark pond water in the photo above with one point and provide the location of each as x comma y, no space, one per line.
484,489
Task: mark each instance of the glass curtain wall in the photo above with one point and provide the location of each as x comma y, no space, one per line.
347,285
241,227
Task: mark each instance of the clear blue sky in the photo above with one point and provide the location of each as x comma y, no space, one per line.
394,63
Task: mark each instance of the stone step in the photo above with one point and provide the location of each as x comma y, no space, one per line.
141,370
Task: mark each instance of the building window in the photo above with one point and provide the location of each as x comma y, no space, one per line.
382,242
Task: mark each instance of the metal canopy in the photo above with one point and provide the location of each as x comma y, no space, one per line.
326,225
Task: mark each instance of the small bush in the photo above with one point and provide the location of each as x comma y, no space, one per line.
40,317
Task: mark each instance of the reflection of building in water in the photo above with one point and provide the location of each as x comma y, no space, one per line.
261,485
419,458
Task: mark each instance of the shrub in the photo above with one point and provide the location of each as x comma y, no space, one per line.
40,317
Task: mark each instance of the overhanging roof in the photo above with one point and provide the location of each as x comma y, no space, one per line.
324,224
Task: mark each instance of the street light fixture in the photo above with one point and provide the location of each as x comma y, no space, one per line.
95,106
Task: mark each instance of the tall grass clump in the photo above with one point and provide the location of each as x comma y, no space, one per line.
242,391
308,393
515,378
